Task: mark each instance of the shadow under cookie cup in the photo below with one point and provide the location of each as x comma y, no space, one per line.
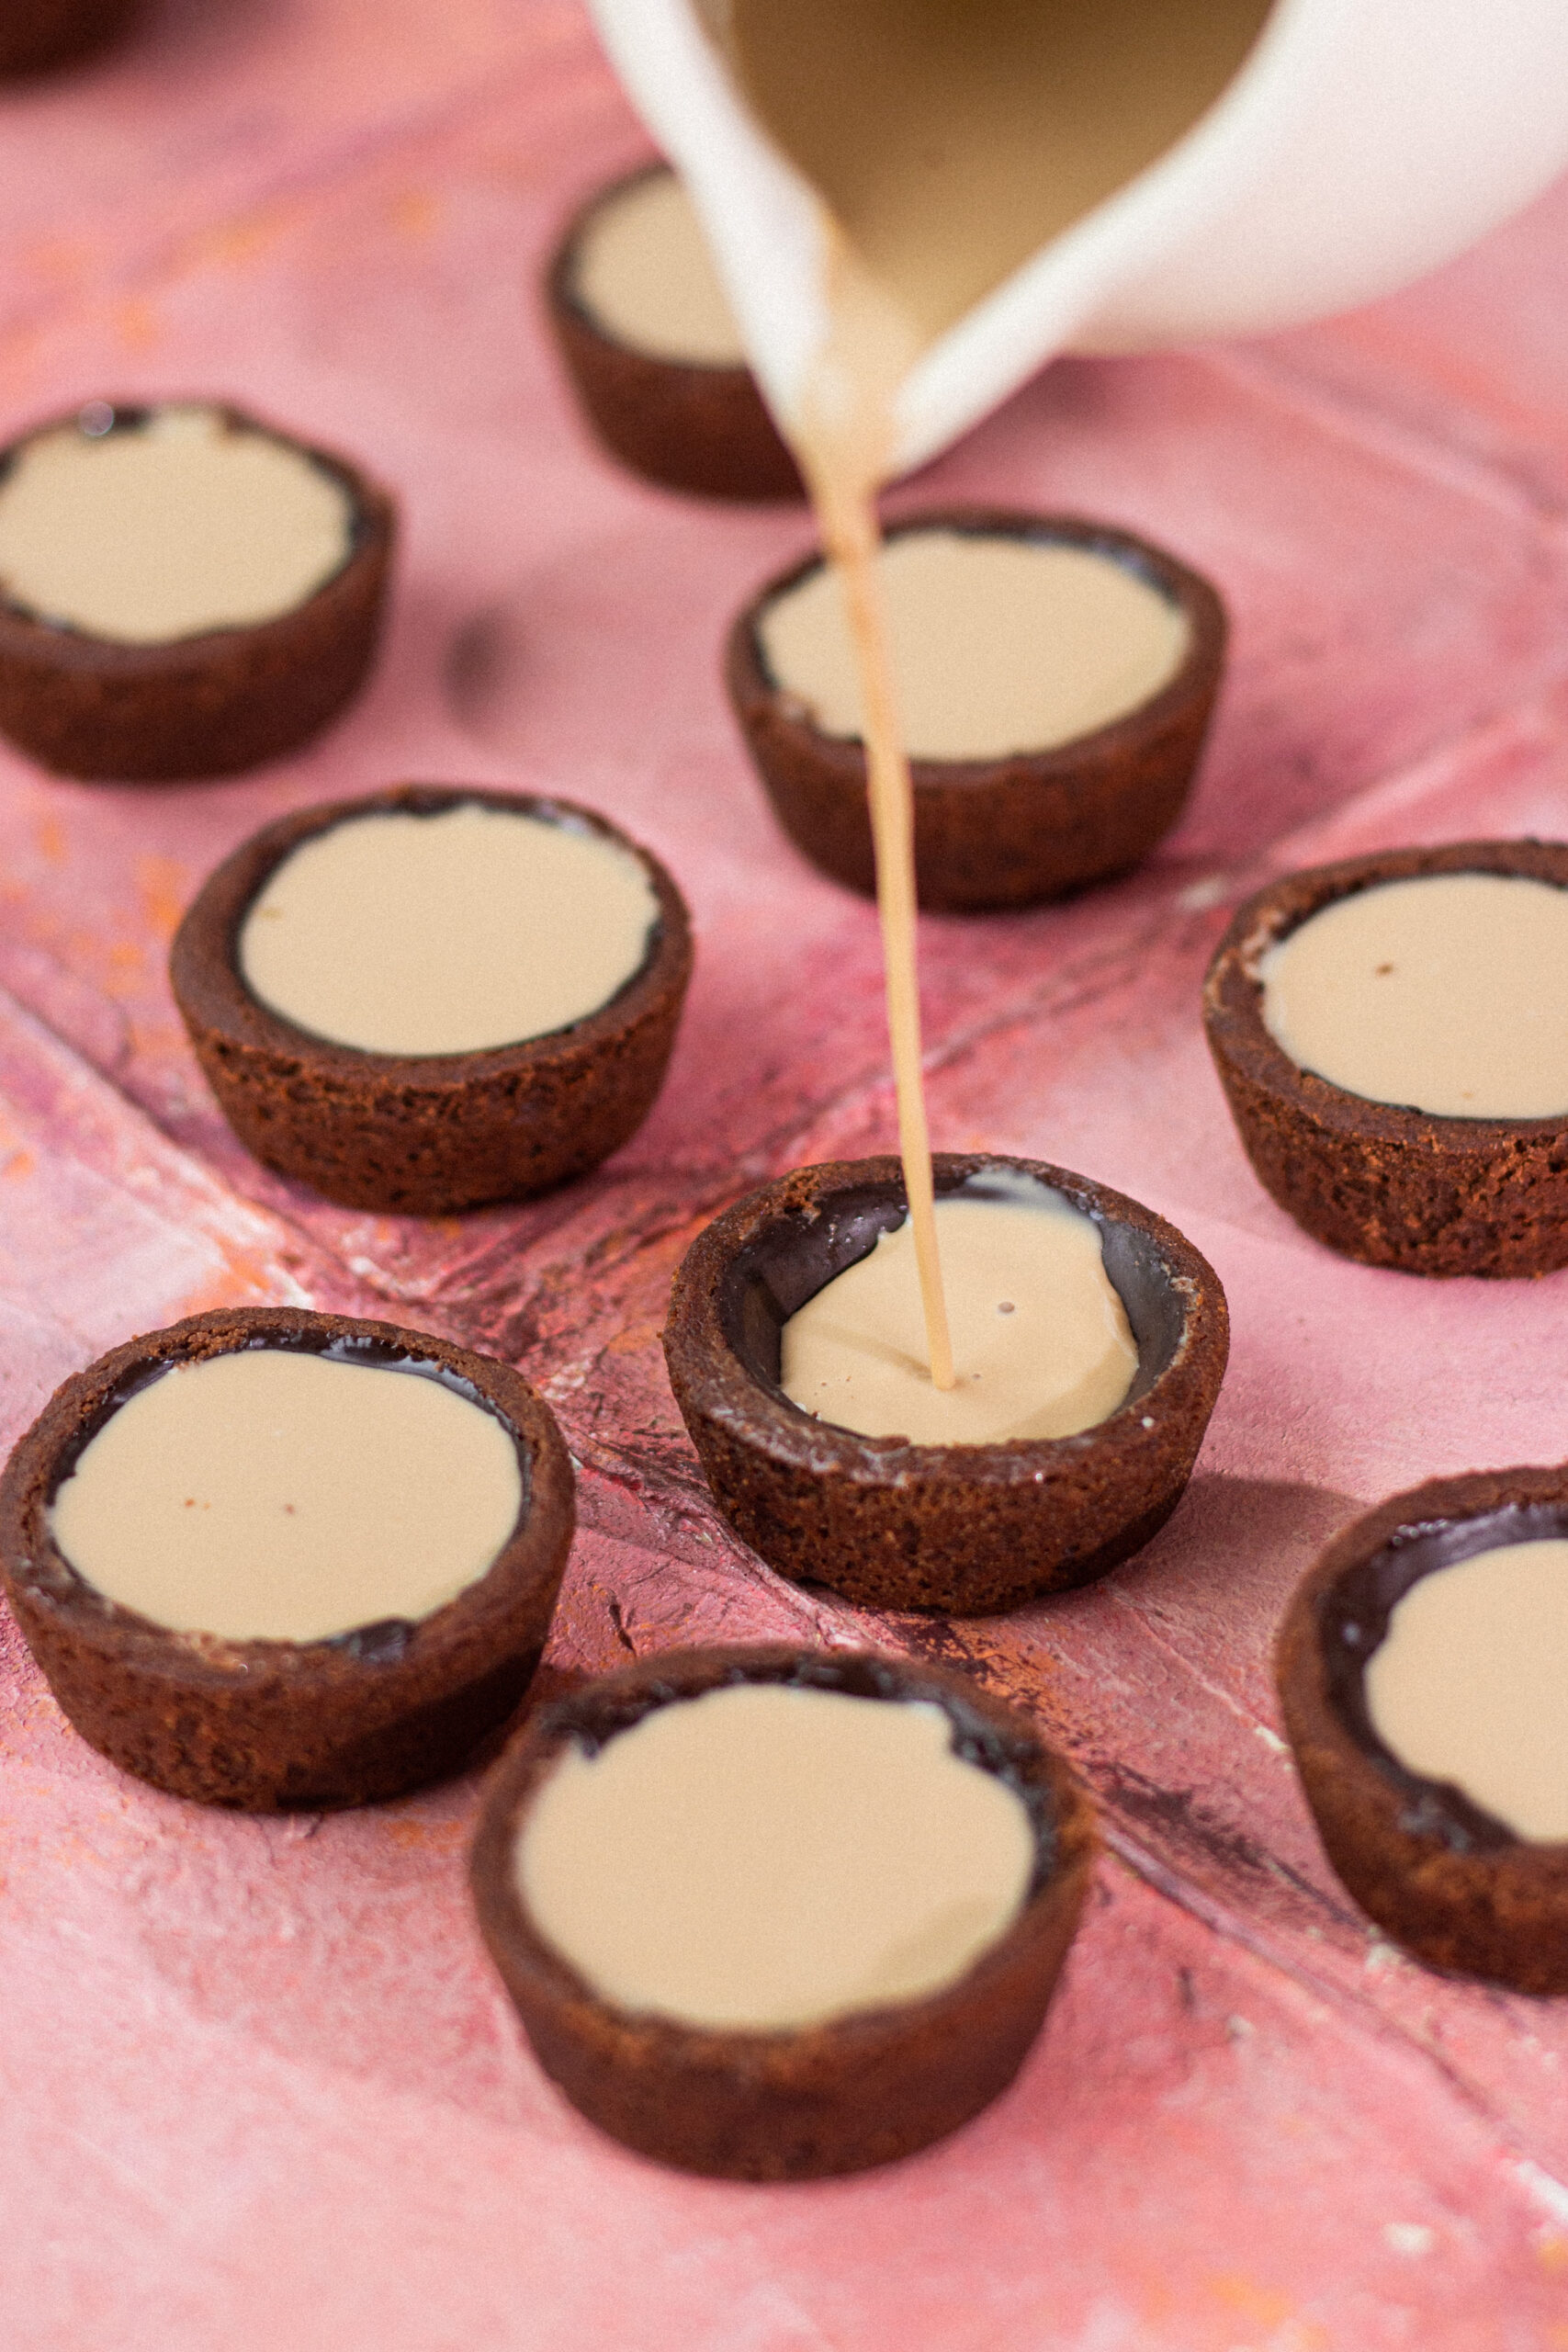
214,703
281,1725
1383,1182
702,427
1441,1876
806,2102
429,1134
1012,828
960,1529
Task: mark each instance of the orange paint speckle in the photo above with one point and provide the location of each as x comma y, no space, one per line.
1552,2253
49,835
414,212
435,1837
1260,2304
164,889
137,325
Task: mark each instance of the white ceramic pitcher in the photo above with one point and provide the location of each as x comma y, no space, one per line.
1363,142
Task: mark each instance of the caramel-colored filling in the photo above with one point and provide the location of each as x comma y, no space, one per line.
1448,993
644,272
451,933
275,1496
1469,1685
153,532
952,139
1000,644
1041,1343
764,1857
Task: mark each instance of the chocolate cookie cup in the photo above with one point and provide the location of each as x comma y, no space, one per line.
1445,1879
683,424
1379,1181
203,704
37,35
963,1529
275,1725
856,2090
426,1135
1012,829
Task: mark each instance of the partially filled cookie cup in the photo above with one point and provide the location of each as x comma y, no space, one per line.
961,1528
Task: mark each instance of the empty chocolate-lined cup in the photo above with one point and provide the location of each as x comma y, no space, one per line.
769,1913
1422,1668
652,350
1392,1035
434,997
39,36
184,591
274,1559
1055,679
990,1520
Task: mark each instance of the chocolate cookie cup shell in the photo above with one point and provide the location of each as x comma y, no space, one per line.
1019,827
271,1725
1446,1879
424,1135
831,2098
208,705
686,426
1380,1182
963,1529
37,35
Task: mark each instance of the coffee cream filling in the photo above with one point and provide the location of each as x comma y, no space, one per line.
1470,1684
1447,993
952,139
1000,644
1041,1343
451,933
273,1496
764,1857
161,530
643,271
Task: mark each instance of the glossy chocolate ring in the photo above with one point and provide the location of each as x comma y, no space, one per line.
1381,1181
687,424
832,2098
1440,1875
424,1134
208,705
276,1725
963,1529
1018,827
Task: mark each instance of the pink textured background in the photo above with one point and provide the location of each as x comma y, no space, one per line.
258,2084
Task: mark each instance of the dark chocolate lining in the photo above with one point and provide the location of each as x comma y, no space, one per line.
798,1254
1353,1619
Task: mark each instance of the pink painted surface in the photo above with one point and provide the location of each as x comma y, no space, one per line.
257,2086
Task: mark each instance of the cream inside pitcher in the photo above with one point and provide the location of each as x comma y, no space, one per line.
1035,176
